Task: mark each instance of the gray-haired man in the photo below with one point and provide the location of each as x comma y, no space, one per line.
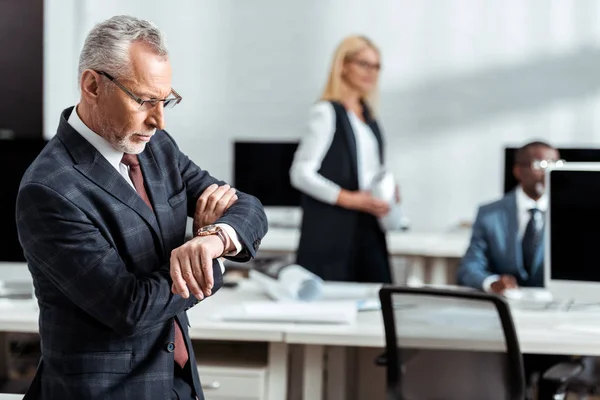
101,215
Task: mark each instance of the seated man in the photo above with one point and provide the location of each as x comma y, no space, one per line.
506,249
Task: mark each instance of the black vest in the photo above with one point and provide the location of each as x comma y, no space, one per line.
328,231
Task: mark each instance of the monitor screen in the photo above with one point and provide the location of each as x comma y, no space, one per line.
567,154
15,157
262,169
574,225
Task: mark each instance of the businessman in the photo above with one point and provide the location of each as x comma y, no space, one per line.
101,216
506,248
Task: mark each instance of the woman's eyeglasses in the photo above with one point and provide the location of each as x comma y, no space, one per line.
366,65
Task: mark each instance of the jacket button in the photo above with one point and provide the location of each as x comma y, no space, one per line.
170,347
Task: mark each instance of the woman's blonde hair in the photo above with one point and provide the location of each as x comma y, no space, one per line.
347,49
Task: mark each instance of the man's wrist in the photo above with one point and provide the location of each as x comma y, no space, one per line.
212,230
214,242
489,281
234,246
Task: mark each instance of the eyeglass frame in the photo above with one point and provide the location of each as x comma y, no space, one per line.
365,64
540,165
152,102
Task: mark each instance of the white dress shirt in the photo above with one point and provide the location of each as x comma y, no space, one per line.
524,204
114,157
315,144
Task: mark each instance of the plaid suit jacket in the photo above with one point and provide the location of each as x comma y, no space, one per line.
99,258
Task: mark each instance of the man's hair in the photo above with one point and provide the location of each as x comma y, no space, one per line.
106,47
522,155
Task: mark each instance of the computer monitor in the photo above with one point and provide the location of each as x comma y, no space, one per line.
572,237
579,154
262,169
15,157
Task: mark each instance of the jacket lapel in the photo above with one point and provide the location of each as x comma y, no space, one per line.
94,167
156,191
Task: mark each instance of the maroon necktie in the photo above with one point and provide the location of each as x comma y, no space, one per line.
135,173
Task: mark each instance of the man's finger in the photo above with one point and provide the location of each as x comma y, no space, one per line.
203,199
222,204
215,197
233,200
199,275
177,277
207,271
188,275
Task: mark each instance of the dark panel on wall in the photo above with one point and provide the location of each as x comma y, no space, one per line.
21,68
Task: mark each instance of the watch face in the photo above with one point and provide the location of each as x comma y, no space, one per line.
207,229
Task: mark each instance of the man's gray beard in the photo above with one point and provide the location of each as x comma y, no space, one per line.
120,143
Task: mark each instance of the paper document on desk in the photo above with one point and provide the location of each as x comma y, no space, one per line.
350,291
292,282
292,312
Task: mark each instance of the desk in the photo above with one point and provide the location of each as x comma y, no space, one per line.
4,396
22,316
431,254
540,332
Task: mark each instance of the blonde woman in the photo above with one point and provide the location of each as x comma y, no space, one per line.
335,164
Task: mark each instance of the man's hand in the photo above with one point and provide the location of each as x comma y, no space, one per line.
505,282
191,266
211,205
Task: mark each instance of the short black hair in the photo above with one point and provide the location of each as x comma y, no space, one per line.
522,153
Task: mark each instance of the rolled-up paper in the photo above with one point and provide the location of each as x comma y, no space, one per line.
384,188
290,282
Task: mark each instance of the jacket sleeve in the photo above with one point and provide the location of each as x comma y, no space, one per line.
246,216
474,266
63,244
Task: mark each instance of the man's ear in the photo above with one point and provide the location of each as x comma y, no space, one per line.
517,173
90,86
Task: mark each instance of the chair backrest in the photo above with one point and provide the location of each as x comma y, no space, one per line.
446,344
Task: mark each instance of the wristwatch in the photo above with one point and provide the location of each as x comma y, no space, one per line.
214,230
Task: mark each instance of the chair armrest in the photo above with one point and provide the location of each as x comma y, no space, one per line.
563,372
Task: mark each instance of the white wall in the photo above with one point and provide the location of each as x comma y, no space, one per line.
461,79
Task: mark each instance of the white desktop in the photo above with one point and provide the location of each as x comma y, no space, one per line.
572,233
287,217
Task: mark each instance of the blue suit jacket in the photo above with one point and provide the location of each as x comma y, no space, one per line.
495,247
99,258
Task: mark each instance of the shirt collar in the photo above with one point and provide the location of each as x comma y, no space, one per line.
112,155
526,203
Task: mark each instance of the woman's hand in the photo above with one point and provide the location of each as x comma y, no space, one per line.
362,201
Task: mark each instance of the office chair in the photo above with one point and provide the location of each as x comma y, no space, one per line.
473,321
575,379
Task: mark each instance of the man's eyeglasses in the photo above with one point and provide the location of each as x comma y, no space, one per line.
149,104
538,165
